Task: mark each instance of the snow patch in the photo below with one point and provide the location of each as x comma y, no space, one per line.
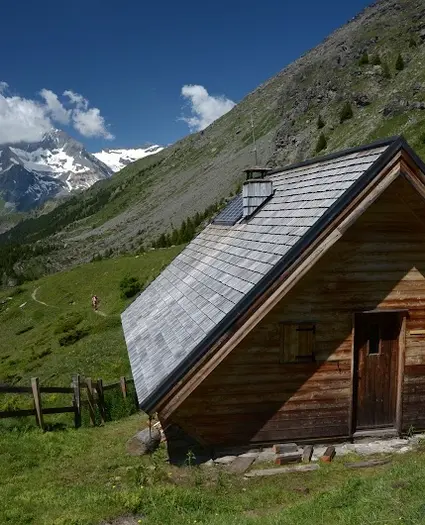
117,159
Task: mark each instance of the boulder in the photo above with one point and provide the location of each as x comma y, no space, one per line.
144,442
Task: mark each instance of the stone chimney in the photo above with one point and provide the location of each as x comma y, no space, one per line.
256,190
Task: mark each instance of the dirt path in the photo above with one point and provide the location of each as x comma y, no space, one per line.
34,297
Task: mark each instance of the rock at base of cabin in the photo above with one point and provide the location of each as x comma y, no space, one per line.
144,442
225,460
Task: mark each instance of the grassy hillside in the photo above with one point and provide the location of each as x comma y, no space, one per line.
40,320
358,65
83,477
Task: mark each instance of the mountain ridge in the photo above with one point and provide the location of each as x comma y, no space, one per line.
155,194
32,173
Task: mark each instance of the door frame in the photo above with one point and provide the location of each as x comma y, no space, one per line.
352,417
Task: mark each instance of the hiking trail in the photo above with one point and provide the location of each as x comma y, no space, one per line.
34,297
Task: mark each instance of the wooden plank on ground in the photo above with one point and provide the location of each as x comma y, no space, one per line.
307,453
282,470
328,455
366,464
283,459
241,464
285,448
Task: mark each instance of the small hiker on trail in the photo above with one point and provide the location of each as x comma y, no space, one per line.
95,302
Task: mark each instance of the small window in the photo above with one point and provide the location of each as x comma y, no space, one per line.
374,339
297,342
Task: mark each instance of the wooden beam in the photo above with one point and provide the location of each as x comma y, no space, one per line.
17,413
90,399
77,400
123,384
101,400
35,385
400,375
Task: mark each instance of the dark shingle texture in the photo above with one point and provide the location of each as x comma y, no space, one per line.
224,262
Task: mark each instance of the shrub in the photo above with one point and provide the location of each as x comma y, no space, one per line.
346,112
322,143
320,122
364,59
386,73
412,42
24,330
72,336
68,322
399,64
129,287
376,60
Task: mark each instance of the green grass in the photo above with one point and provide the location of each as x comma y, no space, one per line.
31,332
81,477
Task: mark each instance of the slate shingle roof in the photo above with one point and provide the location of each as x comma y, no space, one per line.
217,270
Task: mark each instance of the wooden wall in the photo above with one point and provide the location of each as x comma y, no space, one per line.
378,263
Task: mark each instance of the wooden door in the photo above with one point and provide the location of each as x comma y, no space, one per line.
376,347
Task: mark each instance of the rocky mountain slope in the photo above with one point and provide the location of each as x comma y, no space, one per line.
354,81
117,159
31,173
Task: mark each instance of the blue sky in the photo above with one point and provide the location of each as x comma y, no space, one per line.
131,59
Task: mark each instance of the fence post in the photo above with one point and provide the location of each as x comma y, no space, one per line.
77,400
101,400
35,385
90,399
123,384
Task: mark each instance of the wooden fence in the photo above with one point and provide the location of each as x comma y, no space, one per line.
95,397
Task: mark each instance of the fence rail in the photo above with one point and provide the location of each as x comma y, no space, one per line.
95,397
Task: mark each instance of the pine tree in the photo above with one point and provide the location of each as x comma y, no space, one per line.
364,59
399,64
346,112
412,42
175,237
376,60
386,73
320,122
322,143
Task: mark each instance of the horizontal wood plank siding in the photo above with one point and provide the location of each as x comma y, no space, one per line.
379,263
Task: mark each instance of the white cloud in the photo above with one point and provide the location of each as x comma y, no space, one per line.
77,99
205,108
90,123
22,120
27,120
54,107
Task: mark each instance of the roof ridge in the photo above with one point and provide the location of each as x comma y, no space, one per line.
341,153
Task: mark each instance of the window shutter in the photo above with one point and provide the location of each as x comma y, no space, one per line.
297,342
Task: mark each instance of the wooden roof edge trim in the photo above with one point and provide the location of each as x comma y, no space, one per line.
282,286
159,396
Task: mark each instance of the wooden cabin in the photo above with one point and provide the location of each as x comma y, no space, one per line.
298,314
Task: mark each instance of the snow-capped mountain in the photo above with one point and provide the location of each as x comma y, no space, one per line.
31,173
117,159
